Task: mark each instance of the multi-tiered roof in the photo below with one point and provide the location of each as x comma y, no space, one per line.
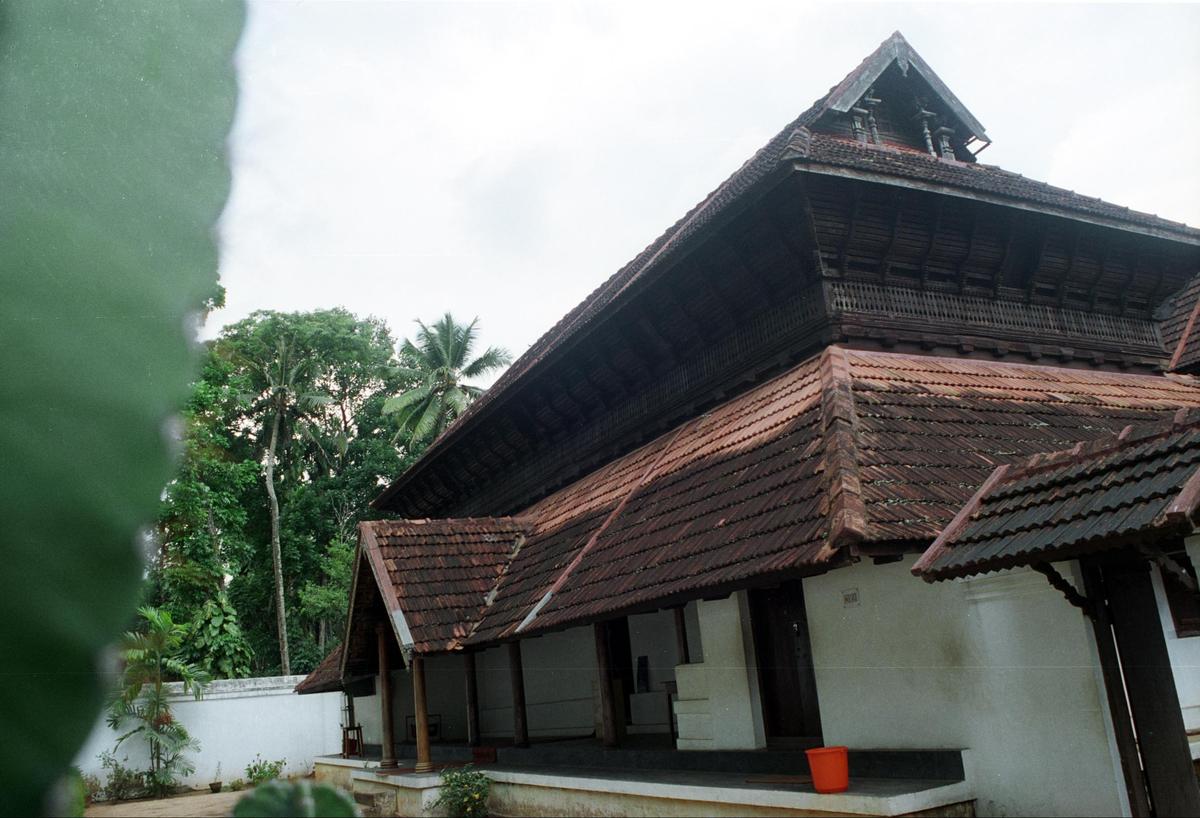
820,362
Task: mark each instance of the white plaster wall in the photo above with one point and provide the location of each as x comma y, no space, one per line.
719,706
890,668
560,678
1001,665
691,621
237,719
367,712
653,635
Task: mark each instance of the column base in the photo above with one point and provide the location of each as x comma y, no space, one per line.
424,767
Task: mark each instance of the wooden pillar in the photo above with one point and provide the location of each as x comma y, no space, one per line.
421,714
517,674
1150,686
472,699
608,707
388,753
682,654
1114,687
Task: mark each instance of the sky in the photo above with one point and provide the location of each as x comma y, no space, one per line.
500,160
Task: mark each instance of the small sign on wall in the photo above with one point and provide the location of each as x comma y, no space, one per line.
850,598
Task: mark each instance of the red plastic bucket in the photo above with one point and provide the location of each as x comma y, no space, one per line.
830,768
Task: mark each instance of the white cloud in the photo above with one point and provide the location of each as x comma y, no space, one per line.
502,159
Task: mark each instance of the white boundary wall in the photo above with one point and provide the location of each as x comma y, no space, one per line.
236,719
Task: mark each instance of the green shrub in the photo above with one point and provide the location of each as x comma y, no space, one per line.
260,771
464,792
92,787
237,784
123,782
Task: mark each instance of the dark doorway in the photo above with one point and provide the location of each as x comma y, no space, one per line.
620,657
785,666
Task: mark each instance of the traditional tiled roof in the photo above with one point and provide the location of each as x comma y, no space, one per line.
741,491
325,677
901,165
438,573
1181,335
1142,485
849,448
795,144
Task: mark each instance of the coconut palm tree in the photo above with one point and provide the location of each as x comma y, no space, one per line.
438,364
285,378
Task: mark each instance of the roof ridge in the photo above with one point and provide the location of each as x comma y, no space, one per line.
839,422
1081,452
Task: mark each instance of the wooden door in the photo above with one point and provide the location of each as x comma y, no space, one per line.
788,683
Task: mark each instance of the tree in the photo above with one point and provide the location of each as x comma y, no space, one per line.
439,363
312,419
203,517
283,376
152,658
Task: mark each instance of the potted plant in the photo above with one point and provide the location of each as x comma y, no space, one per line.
215,784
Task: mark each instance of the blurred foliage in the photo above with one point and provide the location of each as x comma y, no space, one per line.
302,799
113,125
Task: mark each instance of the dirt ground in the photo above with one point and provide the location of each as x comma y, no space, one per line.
200,805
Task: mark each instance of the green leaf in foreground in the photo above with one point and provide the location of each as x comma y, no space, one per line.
302,799
113,122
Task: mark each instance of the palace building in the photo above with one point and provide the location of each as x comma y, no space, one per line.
674,544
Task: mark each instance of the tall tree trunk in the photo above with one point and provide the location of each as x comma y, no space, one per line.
276,558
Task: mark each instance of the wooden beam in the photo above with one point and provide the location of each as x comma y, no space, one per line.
856,202
764,294
1150,685
1101,270
1114,688
421,714
473,737
662,347
388,752
608,707
682,655
885,260
1130,277
1031,284
783,234
810,228
961,271
699,330
933,237
1072,254
517,677
1002,269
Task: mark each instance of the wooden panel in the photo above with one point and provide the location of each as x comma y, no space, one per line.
1150,684
781,641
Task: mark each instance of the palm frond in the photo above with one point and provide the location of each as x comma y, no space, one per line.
406,399
492,358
